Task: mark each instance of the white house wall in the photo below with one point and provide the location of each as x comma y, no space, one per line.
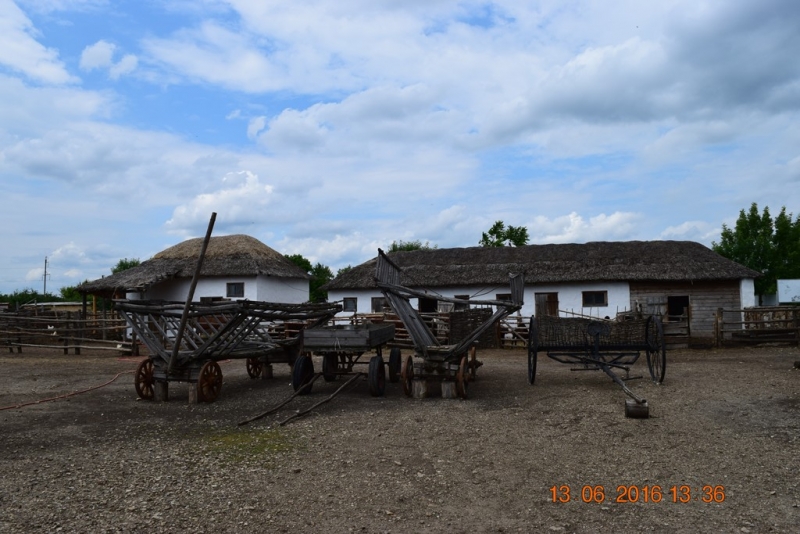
570,297
263,288
287,290
747,290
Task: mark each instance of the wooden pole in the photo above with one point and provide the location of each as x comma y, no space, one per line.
185,315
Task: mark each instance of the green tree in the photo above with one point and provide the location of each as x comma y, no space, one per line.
769,246
500,236
343,270
124,264
320,275
71,293
405,246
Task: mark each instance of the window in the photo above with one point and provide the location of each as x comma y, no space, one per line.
426,305
459,306
379,305
235,290
503,296
350,304
595,299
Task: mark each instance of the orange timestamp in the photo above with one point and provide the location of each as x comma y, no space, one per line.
638,494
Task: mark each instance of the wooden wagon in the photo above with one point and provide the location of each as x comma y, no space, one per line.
451,364
608,346
186,342
341,348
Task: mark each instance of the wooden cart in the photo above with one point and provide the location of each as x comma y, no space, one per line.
262,333
451,364
341,348
608,346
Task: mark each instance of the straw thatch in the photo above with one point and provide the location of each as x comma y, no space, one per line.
233,255
590,262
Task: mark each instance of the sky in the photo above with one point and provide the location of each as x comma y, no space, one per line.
329,128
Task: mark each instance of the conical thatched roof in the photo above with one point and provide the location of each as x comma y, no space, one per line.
232,255
589,262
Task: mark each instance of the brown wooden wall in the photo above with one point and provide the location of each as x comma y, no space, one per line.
704,299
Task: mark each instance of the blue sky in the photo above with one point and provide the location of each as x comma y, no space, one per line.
332,128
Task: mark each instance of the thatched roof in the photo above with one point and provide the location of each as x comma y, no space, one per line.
232,255
590,262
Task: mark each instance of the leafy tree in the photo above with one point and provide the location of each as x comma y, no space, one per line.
320,275
769,246
71,294
405,246
343,270
500,236
124,264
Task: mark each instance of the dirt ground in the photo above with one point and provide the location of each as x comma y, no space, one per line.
724,428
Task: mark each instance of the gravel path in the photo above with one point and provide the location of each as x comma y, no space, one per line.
104,461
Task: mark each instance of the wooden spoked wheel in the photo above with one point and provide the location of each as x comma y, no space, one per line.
407,375
209,383
656,349
462,378
254,367
473,363
144,381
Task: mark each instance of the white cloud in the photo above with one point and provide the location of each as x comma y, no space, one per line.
21,52
98,55
255,125
126,65
101,56
573,228
242,201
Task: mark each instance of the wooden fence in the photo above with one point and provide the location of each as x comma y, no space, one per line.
64,330
751,326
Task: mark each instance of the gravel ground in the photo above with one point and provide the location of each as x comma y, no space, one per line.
104,461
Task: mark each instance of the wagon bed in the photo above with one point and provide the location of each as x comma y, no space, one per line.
608,346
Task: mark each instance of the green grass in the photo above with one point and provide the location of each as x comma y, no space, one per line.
250,445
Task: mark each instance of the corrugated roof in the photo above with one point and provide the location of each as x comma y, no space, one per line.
232,255
588,262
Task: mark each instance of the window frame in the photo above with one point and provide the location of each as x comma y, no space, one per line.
591,297
230,288
350,304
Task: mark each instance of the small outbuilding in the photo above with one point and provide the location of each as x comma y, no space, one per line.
680,280
235,267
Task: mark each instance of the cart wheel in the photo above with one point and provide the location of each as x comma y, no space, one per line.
330,364
636,410
209,383
254,367
656,349
377,376
462,378
407,375
302,373
533,348
473,364
144,381
395,362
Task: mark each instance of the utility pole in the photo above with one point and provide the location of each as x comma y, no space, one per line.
44,277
